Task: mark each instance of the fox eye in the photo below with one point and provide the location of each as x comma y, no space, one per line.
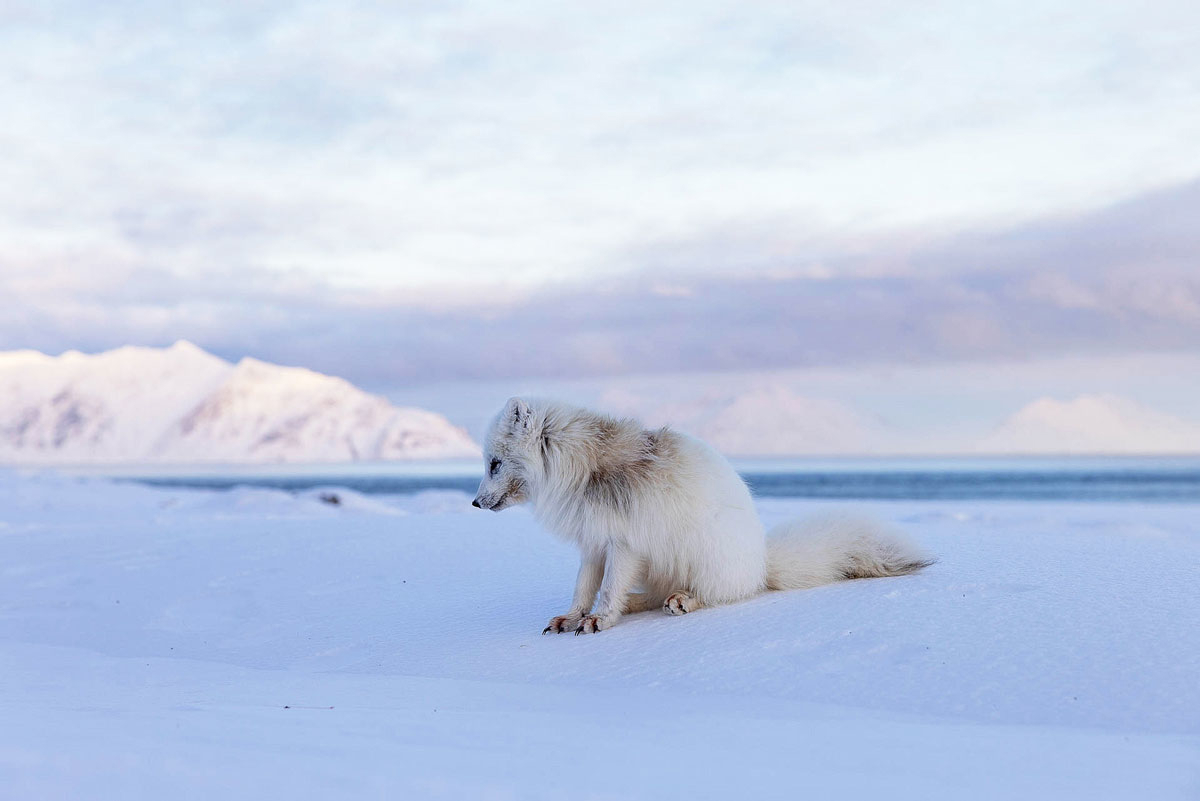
493,467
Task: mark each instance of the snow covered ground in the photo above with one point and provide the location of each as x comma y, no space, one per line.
254,644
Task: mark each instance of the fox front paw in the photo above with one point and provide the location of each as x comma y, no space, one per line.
562,623
590,624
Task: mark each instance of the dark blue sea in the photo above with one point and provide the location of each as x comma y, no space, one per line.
1111,479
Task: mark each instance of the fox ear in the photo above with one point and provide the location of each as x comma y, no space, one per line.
519,416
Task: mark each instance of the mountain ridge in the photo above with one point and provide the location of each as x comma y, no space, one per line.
1092,423
183,405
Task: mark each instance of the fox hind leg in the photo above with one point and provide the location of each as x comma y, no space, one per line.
680,602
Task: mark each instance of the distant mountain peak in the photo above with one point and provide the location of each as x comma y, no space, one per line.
757,420
1096,423
182,404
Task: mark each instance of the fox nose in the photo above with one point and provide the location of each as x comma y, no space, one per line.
475,503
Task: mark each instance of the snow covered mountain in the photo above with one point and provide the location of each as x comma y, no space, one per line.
184,405
1092,424
761,420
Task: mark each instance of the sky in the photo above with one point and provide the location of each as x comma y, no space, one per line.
404,193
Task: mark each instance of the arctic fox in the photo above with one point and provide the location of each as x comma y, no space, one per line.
664,512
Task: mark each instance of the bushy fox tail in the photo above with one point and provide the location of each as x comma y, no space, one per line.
809,553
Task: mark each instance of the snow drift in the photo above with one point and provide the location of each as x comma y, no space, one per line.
184,644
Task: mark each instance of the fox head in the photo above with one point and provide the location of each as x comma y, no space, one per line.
507,458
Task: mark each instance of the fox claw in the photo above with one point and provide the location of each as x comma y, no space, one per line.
560,624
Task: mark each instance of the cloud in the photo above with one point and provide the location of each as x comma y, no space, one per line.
1116,281
457,144
469,190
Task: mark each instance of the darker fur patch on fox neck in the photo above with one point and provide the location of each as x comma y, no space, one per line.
622,462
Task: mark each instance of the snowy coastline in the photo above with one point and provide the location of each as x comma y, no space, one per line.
250,643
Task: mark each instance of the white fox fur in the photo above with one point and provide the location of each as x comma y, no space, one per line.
662,511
